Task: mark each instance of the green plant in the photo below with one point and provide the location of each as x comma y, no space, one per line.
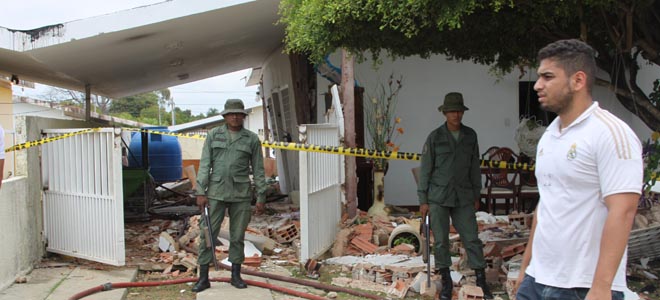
651,158
382,125
406,238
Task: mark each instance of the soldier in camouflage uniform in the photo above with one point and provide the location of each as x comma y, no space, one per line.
223,183
449,186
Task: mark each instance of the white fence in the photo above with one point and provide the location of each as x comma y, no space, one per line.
321,176
83,202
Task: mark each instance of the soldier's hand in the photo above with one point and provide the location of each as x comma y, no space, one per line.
202,201
259,208
424,209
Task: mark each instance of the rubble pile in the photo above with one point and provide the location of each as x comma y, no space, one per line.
370,254
378,254
646,218
169,246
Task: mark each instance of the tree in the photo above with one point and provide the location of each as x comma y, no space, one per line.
165,98
76,98
185,116
504,34
134,104
212,112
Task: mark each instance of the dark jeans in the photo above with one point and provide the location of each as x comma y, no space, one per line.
531,290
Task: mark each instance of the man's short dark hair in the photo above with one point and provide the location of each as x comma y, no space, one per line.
572,56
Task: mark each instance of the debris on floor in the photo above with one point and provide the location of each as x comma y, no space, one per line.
378,254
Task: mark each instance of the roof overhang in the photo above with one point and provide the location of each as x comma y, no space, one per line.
156,46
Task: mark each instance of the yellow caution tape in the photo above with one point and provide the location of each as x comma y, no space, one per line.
500,164
40,142
357,152
183,135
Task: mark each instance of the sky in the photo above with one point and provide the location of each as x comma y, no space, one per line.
197,96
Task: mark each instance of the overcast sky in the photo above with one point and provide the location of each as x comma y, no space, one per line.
197,96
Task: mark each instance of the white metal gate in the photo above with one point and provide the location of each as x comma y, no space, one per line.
83,202
321,176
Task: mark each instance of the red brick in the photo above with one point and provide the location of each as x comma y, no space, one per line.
363,245
364,231
514,249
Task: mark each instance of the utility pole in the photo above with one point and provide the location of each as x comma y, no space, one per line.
348,98
173,118
159,107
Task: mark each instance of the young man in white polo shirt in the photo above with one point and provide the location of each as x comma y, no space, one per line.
589,172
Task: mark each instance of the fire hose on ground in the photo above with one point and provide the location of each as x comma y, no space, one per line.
314,284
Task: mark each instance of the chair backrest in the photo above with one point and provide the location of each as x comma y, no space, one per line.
528,178
489,152
503,177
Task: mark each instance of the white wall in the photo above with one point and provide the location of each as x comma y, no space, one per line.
39,111
255,121
21,214
493,107
191,148
277,75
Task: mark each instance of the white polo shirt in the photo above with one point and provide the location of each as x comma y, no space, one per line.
596,156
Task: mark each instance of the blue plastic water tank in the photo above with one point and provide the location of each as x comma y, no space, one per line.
164,155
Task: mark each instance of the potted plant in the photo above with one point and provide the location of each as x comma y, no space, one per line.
383,128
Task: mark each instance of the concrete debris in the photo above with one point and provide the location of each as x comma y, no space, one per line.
360,284
649,217
20,279
168,189
650,275
166,243
470,292
361,253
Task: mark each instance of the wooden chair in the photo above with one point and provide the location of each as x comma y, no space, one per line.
527,189
501,183
487,155
489,152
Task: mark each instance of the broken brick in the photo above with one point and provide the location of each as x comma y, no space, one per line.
364,231
252,261
492,249
521,221
406,249
363,245
286,233
514,249
470,292
398,289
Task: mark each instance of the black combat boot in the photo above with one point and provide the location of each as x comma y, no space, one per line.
447,284
481,282
203,282
236,279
